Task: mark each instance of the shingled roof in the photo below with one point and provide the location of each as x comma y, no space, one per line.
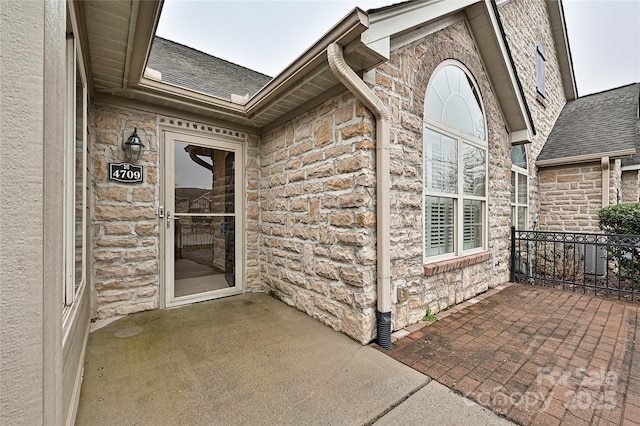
597,123
192,69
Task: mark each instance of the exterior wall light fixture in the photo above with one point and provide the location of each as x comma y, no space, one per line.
133,146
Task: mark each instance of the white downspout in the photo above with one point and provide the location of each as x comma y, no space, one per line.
355,85
604,162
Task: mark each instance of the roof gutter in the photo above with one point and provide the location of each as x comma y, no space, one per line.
345,31
355,85
586,158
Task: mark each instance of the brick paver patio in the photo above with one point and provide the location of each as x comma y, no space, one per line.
536,355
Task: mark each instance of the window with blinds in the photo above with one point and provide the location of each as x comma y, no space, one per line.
455,165
519,188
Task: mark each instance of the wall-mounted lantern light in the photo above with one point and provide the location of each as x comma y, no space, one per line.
133,146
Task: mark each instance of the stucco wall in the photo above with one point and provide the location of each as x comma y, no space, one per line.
317,211
402,83
31,118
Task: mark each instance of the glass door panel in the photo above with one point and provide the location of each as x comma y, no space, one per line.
204,223
204,254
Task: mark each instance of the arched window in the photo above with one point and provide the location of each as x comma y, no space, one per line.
519,187
455,165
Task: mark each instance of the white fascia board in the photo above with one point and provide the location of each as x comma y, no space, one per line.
381,46
586,158
513,80
397,19
630,167
561,38
521,137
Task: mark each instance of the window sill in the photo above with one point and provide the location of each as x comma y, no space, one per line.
451,264
541,99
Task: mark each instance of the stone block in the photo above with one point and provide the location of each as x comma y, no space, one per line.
341,294
304,302
345,219
146,229
353,164
320,171
327,270
329,306
139,255
120,242
319,286
107,256
343,255
124,212
366,220
143,195
323,132
147,268
358,326
354,200
112,193
117,229
113,271
353,238
355,276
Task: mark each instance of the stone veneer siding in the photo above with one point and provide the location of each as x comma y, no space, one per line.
125,247
317,211
526,22
573,195
124,226
402,83
573,198
630,191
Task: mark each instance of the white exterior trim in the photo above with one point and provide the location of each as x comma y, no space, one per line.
630,168
396,20
586,158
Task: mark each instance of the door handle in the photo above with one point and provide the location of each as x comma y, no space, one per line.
168,219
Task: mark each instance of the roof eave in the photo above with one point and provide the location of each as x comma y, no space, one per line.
147,16
343,33
403,17
502,72
563,50
396,20
586,158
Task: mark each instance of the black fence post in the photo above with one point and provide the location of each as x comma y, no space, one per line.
512,277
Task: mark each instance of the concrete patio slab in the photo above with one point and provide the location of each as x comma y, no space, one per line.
247,359
436,404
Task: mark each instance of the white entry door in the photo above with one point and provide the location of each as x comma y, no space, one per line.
202,218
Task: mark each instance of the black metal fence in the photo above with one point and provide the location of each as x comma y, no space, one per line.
602,263
190,236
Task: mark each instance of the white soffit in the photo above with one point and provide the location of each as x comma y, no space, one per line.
559,32
405,17
493,49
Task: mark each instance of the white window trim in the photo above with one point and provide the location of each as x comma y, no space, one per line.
519,171
459,197
70,290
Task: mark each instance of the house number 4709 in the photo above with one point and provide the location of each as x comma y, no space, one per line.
125,172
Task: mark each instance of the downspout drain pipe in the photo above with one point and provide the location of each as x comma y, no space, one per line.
355,85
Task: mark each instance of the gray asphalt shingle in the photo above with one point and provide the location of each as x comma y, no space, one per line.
187,67
601,122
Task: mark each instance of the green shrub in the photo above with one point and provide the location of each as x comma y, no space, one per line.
623,219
